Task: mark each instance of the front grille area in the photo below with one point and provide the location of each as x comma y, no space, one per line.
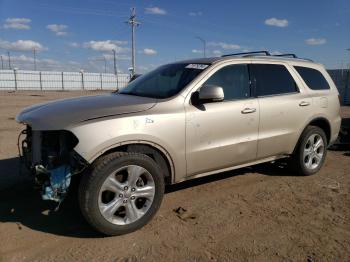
47,148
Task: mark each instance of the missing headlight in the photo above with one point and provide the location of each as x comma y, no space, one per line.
50,156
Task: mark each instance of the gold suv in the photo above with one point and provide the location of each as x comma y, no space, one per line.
181,121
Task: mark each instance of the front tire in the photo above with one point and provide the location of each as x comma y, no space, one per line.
311,151
121,192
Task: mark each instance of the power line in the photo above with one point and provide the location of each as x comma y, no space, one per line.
133,23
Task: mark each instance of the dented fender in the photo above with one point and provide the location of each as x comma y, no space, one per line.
157,130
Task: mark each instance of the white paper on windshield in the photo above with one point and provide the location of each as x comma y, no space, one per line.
197,66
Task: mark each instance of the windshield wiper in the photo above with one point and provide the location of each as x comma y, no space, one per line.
142,95
130,93
136,94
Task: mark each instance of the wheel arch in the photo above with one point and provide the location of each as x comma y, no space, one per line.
320,122
324,124
153,150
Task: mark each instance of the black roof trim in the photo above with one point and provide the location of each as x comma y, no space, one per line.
266,53
291,55
249,53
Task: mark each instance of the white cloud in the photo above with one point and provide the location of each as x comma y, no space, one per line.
30,59
199,13
276,22
24,62
59,30
217,52
107,45
74,44
223,45
22,58
316,41
61,33
149,51
17,23
155,11
56,28
109,57
74,63
22,45
196,51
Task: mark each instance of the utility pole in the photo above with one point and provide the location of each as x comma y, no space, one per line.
34,55
105,64
133,23
204,45
115,67
9,57
114,62
2,62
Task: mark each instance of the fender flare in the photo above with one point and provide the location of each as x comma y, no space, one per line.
140,142
307,124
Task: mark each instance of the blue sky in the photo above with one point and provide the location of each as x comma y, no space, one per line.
74,35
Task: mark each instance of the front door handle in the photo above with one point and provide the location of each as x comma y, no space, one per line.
304,103
248,110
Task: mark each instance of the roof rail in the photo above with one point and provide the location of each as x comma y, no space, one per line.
249,53
266,53
291,55
294,56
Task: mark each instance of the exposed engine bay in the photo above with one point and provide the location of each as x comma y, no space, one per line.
50,157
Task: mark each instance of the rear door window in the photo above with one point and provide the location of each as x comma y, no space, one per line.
312,78
271,79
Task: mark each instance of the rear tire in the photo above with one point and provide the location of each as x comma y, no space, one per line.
121,192
311,151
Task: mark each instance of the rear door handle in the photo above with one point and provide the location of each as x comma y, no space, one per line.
248,110
304,103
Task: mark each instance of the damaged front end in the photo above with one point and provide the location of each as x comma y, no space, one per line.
50,157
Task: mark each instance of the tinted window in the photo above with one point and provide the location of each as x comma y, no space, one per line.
234,80
272,80
165,81
313,78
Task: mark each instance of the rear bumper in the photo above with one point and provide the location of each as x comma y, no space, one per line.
344,133
335,129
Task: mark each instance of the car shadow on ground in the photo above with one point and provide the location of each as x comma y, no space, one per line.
22,204
277,168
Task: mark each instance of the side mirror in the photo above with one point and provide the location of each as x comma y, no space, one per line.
211,93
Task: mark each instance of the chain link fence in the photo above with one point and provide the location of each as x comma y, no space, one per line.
13,80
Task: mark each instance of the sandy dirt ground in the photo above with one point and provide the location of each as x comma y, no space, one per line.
262,213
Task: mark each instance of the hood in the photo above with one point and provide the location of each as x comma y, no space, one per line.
62,113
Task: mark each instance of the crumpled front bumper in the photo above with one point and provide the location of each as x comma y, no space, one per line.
50,157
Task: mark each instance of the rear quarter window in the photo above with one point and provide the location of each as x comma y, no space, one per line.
313,78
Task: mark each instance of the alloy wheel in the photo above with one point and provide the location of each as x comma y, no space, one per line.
126,195
313,151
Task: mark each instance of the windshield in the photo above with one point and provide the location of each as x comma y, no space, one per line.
164,81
